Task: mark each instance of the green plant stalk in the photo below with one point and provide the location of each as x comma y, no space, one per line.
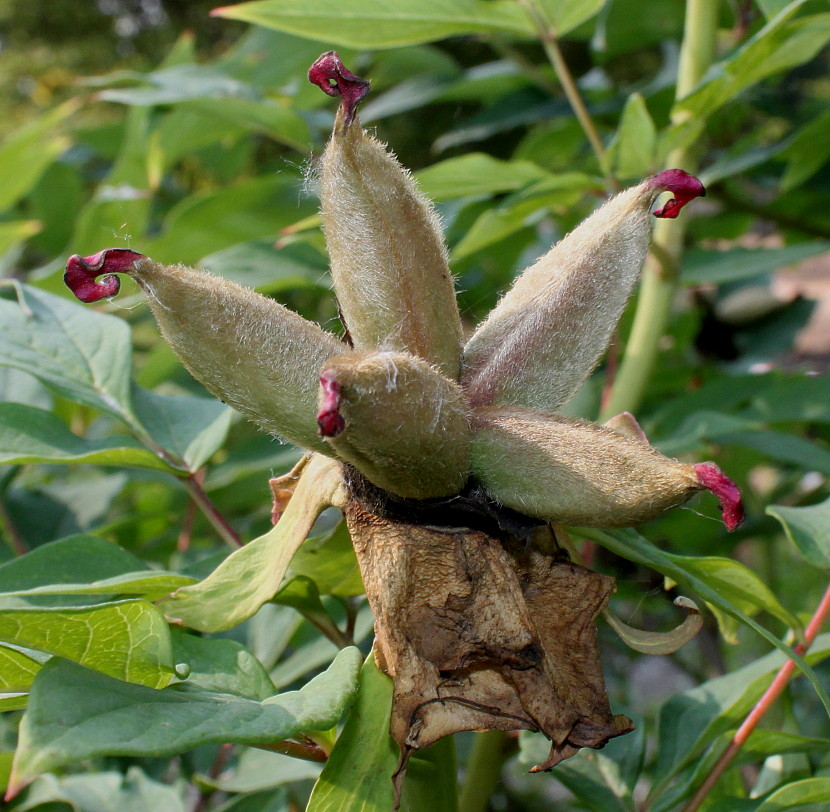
661,272
483,771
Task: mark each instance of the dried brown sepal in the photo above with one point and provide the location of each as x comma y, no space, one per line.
480,632
388,260
282,488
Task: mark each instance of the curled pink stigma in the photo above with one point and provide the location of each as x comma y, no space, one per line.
332,77
329,419
682,185
727,492
81,275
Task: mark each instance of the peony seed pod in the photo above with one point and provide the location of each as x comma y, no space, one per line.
388,259
570,471
399,421
549,331
248,350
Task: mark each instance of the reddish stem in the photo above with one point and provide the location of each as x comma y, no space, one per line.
218,521
772,693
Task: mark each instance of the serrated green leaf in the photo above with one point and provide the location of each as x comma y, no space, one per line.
635,144
476,174
250,576
80,354
808,528
716,267
125,639
631,545
221,666
648,642
31,435
75,713
377,24
565,15
361,783
781,44
192,429
26,153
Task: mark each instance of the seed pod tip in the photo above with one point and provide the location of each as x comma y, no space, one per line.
81,275
727,492
332,77
682,185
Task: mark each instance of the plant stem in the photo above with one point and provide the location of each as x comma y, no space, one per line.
218,521
661,270
550,42
483,771
772,693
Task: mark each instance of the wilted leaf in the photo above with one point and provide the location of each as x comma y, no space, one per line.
647,642
252,575
75,713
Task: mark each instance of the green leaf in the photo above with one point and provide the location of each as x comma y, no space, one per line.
807,791
781,44
647,642
635,144
25,154
82,355
692,720
75,714
103,792
17,670
30,435
631,545
777,445
375,24
330,562
476,174
737,584
206,222
258,769
565,15
221,666
149,584
126,639
808,151
808,528
794,397
192,429
16,231
362,783
716,267
250,576
432,779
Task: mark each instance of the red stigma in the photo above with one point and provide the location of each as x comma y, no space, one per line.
82,273
727,492
329,419
682,185
332,77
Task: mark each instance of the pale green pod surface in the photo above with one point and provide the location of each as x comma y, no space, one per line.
570,471
549,331
398,420
388,259
248,350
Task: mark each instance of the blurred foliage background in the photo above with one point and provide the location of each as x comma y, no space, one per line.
191,138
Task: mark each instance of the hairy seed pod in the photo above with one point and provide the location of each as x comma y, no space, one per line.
248,350
399,421
549,331
570,471
388,260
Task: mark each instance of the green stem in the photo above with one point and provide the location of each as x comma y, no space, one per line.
550,42
483,771
661,271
